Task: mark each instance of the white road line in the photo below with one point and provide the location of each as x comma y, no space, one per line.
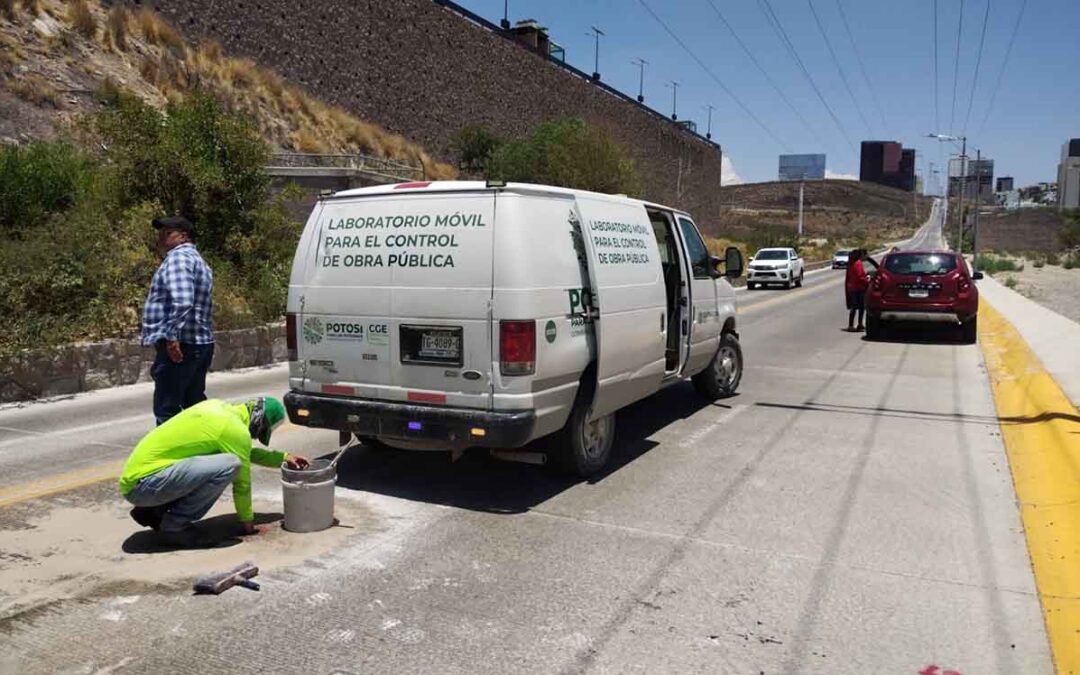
70,430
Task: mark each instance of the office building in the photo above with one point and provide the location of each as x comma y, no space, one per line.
1004,184
802,167
887,163
1069,175
975,177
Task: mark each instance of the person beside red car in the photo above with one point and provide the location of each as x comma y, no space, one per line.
855,285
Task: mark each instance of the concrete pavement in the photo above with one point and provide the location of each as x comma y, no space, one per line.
851,511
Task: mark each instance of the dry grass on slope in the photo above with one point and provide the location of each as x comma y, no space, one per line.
139,51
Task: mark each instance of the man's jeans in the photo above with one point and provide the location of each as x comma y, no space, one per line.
183,492
179,385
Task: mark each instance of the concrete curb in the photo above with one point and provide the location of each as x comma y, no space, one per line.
1053,338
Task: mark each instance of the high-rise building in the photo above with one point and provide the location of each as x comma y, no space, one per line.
973,176
887,163
1069,175
802,167
1004,184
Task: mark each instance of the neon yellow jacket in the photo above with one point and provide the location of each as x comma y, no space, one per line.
208,428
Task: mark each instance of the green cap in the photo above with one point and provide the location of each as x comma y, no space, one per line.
274,414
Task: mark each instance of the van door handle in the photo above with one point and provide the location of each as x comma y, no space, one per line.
682,301
661,322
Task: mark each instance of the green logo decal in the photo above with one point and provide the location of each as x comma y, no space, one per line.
550,331
313,330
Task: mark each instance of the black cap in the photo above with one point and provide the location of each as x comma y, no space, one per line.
175,223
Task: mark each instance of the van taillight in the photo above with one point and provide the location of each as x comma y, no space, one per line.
290,335
517,347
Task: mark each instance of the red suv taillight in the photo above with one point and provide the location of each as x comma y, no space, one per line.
963,284
290,335
517,347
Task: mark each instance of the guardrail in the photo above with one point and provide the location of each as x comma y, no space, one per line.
366,164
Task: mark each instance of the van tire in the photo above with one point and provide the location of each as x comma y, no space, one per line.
721,377
798,282
583,448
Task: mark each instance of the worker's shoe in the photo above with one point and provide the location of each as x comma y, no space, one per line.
147,517
189,537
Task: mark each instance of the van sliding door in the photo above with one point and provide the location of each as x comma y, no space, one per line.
627,289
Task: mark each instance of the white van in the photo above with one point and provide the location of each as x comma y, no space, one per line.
448,315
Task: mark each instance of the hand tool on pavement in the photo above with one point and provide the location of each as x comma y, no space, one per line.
221,581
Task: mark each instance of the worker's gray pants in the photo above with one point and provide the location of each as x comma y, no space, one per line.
186,490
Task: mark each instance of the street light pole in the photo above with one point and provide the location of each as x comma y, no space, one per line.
802,182
963,189
978,200
674,100
708,128
596,67
641,63
506,15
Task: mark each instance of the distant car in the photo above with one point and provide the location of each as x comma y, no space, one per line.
775,266
928,286
839,260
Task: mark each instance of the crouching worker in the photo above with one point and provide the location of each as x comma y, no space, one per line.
177,471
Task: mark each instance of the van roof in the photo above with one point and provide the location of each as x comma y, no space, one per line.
479,185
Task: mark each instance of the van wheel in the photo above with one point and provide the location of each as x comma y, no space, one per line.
798,282
969,331
722,376
583,447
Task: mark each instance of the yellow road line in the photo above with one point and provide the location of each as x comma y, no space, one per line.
63,482
73,480
1041,431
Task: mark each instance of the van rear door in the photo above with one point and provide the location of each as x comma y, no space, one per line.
629,310
396,304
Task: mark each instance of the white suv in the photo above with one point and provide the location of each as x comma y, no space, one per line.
775,266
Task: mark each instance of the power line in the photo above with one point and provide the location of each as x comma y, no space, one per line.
862,65
765,74
956,68
1005,62
978,61
778,28
712,75
937,104
839,69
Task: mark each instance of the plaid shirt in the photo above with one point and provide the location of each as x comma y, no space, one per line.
179,305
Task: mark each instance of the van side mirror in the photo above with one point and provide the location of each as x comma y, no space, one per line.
977,276
733,263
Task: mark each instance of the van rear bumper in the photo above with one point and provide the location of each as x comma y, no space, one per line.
366,417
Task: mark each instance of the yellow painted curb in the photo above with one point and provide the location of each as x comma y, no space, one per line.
1041,430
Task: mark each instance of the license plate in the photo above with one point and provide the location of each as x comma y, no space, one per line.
431,345
440,346
918,293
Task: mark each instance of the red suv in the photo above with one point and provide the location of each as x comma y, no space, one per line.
923,286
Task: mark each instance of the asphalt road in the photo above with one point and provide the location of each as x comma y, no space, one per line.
850,511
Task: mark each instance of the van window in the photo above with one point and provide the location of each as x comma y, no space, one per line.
699,255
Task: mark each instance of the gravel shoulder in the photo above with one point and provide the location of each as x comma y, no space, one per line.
1053,287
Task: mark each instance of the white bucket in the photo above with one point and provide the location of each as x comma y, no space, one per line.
309,506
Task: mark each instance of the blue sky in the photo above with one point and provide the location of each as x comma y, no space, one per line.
1037,107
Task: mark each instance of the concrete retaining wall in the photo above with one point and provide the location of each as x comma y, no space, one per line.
423,71
97,365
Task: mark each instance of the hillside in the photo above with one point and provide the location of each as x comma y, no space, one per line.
60,59
838,210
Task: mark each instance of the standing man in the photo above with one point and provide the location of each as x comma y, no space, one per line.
178,319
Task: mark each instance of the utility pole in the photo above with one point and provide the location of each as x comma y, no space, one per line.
963,189
641,63
596,67
708,129
802,182
505,23
674,100
978,200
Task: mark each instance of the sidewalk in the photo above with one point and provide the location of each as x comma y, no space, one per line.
1052,337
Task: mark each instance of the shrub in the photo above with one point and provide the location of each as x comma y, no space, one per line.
117,25
990,263
195,159
1053,259
474,145
82,19
1010,282
1040,263
1070,234
7,9
37,181
1071,262
568,153
32,6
